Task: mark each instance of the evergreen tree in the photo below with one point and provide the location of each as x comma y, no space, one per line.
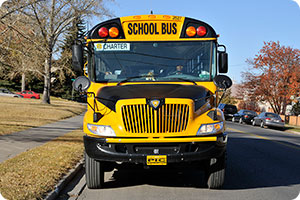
64,73
296,109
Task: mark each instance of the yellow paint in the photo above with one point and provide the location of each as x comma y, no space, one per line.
115,120
161,140
152,27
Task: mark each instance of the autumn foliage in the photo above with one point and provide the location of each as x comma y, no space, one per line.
276,76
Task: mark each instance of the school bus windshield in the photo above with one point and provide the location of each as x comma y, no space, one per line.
154,61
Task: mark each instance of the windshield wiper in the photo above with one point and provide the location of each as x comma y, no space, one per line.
152,76
134,77
183,79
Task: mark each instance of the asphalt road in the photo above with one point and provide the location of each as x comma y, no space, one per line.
262,164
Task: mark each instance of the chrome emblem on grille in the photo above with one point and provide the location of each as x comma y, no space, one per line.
155,103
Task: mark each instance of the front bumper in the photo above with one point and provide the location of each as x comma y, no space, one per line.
101,149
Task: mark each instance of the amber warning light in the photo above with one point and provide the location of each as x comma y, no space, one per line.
113,32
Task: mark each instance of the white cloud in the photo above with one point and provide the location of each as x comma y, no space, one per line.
298,2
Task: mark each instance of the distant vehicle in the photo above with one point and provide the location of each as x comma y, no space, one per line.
29,94
244,116
7,93
228,110
268,119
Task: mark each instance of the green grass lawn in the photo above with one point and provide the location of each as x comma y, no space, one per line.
292,128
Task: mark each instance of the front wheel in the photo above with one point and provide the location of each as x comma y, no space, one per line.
253,123
241,121
233,119
262,124
215,173
94,173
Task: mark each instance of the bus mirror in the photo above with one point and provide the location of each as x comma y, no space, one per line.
222,81
81,84
223,62
77,57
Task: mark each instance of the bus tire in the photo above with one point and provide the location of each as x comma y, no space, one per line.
94,173
215,173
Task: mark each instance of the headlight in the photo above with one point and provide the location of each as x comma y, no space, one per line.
210,128
101,130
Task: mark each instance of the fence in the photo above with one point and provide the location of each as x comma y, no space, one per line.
291,120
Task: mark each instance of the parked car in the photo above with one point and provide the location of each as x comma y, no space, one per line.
244,116
29,94
228,110
7,93
268,119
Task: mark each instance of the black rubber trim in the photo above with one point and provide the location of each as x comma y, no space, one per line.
93,33
196,23
98,149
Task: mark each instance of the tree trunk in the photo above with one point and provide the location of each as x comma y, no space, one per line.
23,81
284,106
47,80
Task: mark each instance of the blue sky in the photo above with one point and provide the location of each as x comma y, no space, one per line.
243,25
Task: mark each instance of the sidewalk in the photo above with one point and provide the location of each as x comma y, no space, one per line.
18,142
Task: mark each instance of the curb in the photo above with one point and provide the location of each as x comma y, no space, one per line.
294,132
64,181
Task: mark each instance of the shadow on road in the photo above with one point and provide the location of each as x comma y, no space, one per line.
159,177
257,163
252,163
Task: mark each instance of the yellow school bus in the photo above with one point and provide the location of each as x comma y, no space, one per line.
152,84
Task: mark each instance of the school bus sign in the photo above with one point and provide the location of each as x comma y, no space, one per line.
151,28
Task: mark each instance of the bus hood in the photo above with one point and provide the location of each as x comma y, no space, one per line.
109,95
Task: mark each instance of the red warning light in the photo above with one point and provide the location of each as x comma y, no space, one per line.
201,31
103,32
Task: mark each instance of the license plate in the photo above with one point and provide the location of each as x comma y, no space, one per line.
157,160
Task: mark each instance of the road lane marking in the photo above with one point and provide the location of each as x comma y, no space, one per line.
265,138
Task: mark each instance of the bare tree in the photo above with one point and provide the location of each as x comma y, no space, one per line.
52,19
18,56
